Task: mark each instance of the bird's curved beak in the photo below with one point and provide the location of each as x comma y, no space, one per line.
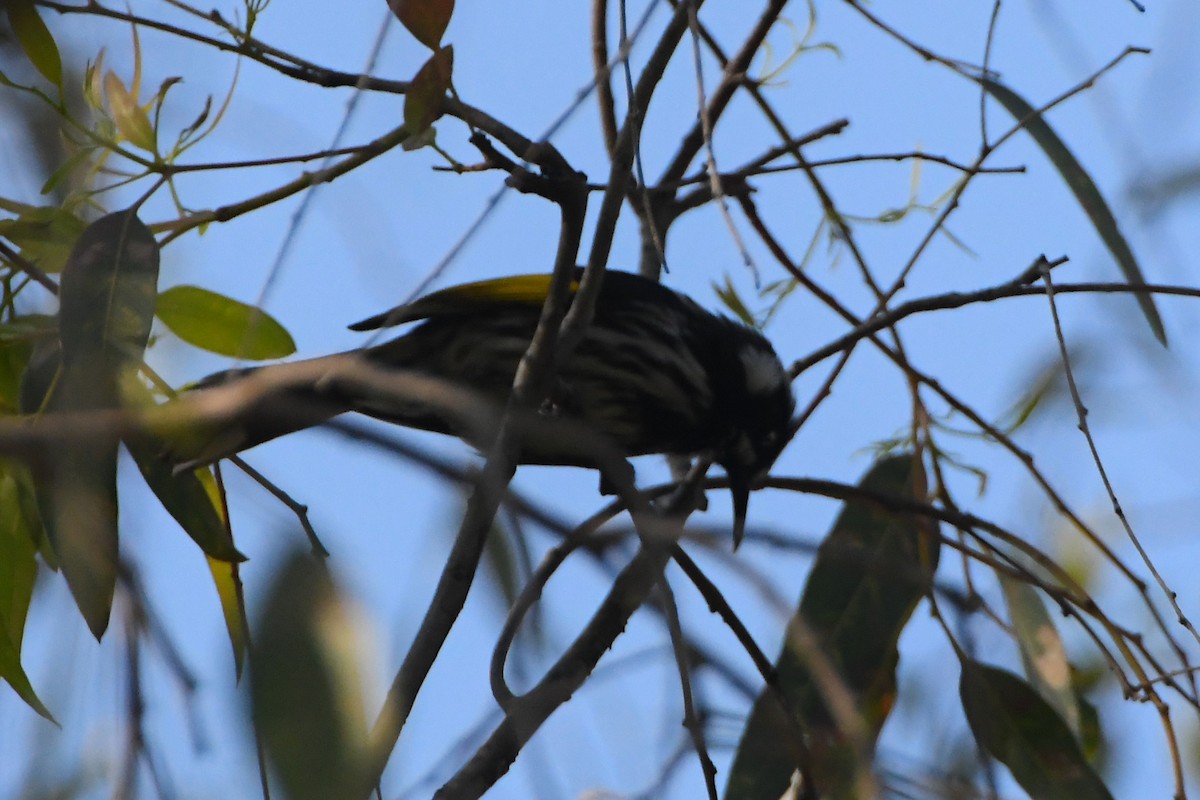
739,488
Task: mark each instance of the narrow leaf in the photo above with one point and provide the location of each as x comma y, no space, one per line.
729,296
425,98
106,305
64,170
18,566
14,359
12,672
1085,191
1042,652
82,526
223,325
227,580
870,573
76,482
35,38
1013,723
184,498
108,289
18,571
184,495
305,686
228,583
426,20
38,384
45,235
131,119
41,376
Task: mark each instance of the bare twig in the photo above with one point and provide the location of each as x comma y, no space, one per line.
691,721
293,505
601,74
1084,428
28,267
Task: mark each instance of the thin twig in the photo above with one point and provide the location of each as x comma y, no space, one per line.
293,505
710,156
602,75
691,721
28,267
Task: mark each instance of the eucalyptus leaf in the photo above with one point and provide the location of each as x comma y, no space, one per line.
36,39
223,325
1085,191
1013,723
870,573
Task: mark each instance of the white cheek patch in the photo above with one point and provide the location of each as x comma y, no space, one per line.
764,373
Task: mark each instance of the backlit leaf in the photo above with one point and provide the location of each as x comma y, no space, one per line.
184,498
228,583
18,571
223,325
305,686
729,296
35,38
426,20
1042,650
64,170
426,95
227,580
131,119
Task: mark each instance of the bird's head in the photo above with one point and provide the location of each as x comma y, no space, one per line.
760,407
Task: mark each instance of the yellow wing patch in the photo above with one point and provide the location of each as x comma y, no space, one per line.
530,289
466,298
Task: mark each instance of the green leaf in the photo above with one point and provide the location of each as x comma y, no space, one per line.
18,571
1085,191
305,686
19,331
42,374
107,293
80,482
1042,650
35,39
185,499
14,359
64,170
227,580
76,482
45,235
870,573
106,306
1013,723
12,672
1091,734
223,325
426,20
228,583
728,294
131,120
184,495
427,94
41,377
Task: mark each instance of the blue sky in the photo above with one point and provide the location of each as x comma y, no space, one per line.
371,237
